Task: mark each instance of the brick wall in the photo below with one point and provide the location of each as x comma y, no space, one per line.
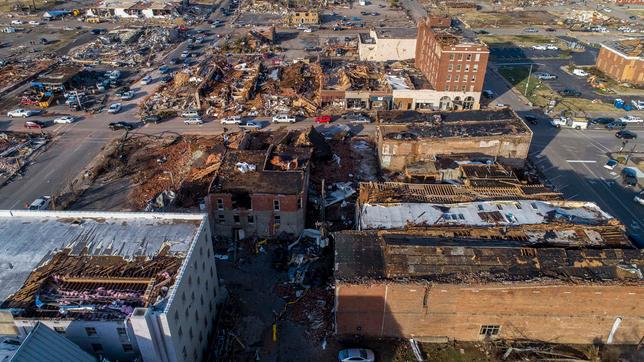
396,154
552,313
620,68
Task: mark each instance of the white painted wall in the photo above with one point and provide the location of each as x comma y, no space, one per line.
434,96
386,49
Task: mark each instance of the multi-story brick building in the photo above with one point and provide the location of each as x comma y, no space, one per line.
260,192
623,60
304,17
452,59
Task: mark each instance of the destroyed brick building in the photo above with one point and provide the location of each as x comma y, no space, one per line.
451,58
263,192
405,138
124,286
623,60
447,268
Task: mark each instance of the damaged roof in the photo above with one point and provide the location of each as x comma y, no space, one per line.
260,171
29,239
411,125
362,256
481,213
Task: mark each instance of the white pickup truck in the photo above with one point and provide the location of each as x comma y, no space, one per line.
283,118
631,119
565,122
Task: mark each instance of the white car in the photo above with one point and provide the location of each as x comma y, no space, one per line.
356,354
17,22
190,114
610,165
539,47
24,113
283,118
41,203
639,105
33,22
232,120
251,125
146,80
64,120
114,108
552,47
631,119
580,72
308,30
639,198
127,95
194,120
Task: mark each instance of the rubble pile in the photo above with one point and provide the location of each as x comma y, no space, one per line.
314,310
15,72
278,7
355,76
15,152
253,41
127,47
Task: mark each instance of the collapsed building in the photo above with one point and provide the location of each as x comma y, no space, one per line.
405,138
432,264
123,286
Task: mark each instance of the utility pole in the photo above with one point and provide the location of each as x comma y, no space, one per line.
528,82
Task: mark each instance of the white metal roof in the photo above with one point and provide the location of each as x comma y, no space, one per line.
400,215
30,238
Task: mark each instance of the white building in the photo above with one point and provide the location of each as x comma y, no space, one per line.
385,44
119,285
134,9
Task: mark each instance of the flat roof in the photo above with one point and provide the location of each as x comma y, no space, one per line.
29,239
412,125
396,33
361,256
628,47
481,213
260,171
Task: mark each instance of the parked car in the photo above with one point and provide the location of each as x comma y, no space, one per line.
41,203
610,164
532,119
17,22
231,120
127,95
33,22
639,198
323,119
251,125
193,120
545,76
531,30
626,135
190,114
283,118
115,126
570,93
356,354
539,47
358,118
146,80
552,47
550,30
487,93
35,124
603,120
164,69
115,108
166,78
616,125
152,118
631,119
580,72
64,120
24,113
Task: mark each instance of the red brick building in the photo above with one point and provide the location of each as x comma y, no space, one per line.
470,284
623,60
260,193
630,2
449,58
